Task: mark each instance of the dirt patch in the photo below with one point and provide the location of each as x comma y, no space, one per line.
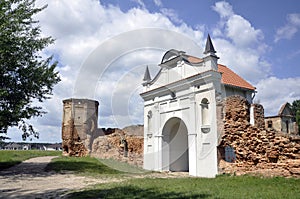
29,180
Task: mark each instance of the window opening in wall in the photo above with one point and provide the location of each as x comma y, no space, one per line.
270,124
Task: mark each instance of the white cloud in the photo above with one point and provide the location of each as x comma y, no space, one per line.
241,32
239,45
223,8
158,3
140,2
171,14
290,28
273,92
79,26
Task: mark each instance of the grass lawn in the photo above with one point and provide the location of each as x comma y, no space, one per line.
10,158
220,187
81,165
223,186
131,186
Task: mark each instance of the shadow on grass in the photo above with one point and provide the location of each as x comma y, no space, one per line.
80,165
8,164
26,168
19,193
132,192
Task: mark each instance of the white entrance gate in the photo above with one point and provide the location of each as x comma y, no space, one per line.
180,125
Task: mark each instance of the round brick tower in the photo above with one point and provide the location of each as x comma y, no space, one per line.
80,123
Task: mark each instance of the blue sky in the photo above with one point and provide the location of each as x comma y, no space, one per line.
259,40
266,15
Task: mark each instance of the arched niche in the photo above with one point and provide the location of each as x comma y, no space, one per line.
205,115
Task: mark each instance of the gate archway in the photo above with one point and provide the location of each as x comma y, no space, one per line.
175,153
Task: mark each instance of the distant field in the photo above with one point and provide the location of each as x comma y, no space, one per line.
10,158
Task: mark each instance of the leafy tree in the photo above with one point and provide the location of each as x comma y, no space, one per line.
295,107
25,76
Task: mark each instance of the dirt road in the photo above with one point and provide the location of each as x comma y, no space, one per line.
29,180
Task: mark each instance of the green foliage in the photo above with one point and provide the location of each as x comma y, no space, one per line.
295,106
11,158
220,187
25,76
298,120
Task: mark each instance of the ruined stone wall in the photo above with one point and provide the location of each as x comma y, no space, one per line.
259,116
124,145
257,150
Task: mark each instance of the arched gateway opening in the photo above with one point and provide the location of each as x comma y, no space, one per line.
175,156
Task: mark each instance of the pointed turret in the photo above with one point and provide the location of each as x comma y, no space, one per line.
209,48
211,59
147,77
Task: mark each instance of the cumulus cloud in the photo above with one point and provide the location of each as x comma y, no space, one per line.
79,26
273,92
290,28
239,44
224,9
172,14
241,47
241,32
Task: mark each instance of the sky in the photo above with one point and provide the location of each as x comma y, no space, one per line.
258,39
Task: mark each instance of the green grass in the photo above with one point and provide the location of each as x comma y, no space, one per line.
223,186
10,158
220,187
81,165
122,166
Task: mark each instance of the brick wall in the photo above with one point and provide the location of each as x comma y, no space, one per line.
257,150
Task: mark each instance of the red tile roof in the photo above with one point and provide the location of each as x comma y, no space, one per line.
228,76
231,78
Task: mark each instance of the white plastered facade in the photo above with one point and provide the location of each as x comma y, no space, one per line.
180,122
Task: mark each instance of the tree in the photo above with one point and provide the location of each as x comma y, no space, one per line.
295,107
25,76
298,120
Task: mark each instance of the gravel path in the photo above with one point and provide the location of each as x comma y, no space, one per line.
29,180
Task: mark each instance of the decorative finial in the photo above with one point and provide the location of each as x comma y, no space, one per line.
209,48
147,77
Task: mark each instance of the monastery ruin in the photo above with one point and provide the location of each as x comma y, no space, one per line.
199,117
